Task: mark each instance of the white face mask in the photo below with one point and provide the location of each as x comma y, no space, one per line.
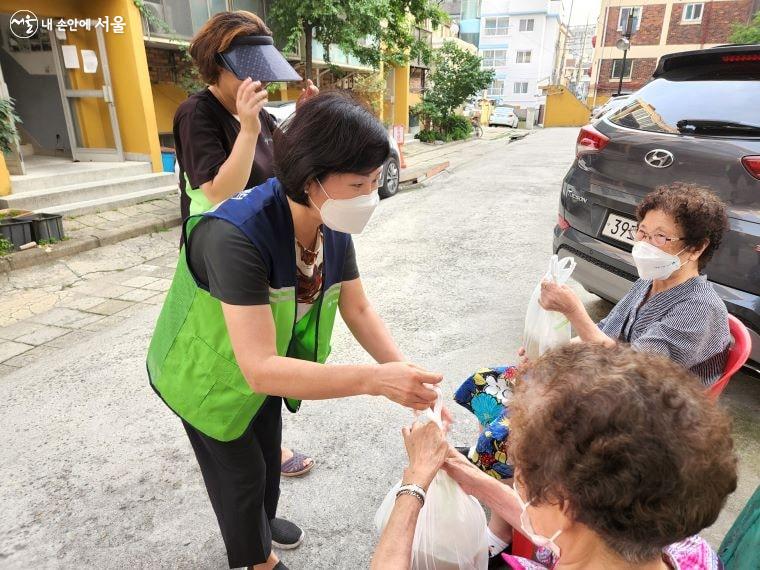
527,527
653,263
349,216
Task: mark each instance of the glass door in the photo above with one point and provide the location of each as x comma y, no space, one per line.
86,94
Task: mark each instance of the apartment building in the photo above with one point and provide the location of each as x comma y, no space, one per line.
659,27
521,41
578,56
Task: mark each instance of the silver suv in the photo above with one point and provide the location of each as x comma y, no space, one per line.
697,121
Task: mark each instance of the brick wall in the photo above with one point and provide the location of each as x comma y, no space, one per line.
718,19
163,65
641,73
650,27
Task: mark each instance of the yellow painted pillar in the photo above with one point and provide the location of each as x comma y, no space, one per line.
131,81
401,96
5,177
381,95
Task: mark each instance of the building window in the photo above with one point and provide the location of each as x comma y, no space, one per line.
521,87
496,26
494,57
470,9
496,89
526,24
40,41
523,56
692,13
617,65
623,19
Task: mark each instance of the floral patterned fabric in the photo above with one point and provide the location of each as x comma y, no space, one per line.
692,553
486,394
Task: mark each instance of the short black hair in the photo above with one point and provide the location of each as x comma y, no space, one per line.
332,132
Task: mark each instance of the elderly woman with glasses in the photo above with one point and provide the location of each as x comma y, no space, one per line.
671,310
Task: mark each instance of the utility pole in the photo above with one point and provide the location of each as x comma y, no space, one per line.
582,58
564,44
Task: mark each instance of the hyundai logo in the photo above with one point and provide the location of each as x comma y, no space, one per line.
659,158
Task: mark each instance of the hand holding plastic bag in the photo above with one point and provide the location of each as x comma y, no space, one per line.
451,528
547,329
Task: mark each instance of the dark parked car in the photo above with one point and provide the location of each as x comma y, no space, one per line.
697,121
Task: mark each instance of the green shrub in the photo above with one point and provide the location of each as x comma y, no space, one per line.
459,127
427,136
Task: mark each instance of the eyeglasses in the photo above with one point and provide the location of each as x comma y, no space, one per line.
655,239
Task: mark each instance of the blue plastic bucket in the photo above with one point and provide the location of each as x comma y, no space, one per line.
168,159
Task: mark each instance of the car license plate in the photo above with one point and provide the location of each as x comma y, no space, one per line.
620,229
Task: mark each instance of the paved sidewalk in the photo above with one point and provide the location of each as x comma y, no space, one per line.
91,231
44,310
47,308
424,160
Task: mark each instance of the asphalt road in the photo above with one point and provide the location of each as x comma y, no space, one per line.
96,472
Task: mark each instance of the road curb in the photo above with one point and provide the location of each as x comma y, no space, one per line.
98,238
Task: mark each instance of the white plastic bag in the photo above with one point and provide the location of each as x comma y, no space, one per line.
547,329
451,528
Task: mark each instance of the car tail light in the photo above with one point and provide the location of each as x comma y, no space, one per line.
752,164
562,222
741,57
590,140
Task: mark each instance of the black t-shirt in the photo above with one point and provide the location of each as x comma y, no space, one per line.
224,259
204,134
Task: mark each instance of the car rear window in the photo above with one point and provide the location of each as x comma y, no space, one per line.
661,104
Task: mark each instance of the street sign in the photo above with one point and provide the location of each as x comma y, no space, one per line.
398,133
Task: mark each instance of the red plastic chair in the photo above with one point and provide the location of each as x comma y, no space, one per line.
737,355
521,545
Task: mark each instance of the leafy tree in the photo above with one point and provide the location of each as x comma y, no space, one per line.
456,75
374,31
749,34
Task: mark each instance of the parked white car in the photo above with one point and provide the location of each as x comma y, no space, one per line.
281,110
504,116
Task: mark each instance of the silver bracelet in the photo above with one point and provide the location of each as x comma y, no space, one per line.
414,490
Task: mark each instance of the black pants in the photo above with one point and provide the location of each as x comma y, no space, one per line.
243,482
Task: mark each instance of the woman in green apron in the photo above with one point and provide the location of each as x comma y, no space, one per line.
248,319
223,135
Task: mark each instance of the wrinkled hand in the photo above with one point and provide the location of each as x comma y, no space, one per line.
459,468
558,298
524,360
404,383
250,100
426,447
309,91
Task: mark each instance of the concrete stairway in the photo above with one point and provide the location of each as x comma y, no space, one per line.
59,186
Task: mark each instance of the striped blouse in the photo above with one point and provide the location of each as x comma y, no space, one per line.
688,323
